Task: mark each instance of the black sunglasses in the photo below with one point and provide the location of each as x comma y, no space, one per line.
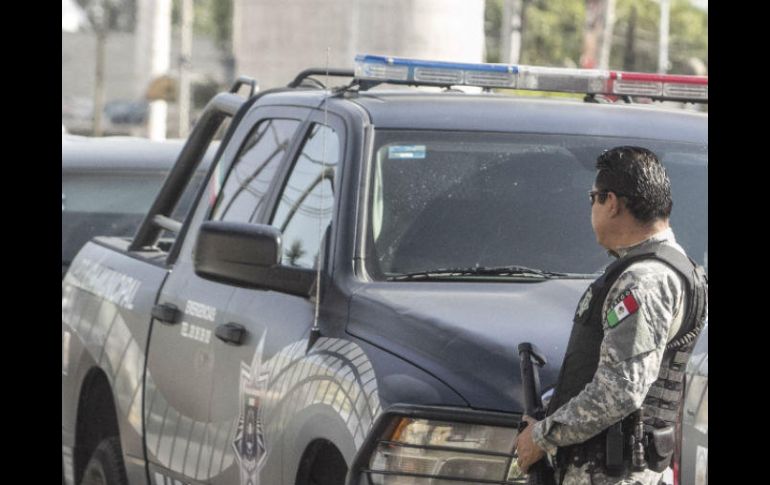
602,195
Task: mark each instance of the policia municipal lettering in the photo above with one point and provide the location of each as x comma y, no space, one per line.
613,414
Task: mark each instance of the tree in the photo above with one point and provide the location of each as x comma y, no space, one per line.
551,31
553,34
493,13
213,18
104,16
117,16
294,252
688,37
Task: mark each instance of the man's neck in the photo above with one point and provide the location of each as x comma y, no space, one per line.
637,234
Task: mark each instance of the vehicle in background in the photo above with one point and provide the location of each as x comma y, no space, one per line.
108,185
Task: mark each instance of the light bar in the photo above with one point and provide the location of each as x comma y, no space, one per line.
415,72
587,81
664,86
435,73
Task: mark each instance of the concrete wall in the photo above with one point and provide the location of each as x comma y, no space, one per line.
274,40
78,61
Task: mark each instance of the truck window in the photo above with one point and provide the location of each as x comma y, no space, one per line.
249,178
307,199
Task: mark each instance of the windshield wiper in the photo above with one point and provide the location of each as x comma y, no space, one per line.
512,270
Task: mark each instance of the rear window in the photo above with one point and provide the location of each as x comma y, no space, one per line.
469,199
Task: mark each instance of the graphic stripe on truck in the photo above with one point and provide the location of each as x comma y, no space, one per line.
336,373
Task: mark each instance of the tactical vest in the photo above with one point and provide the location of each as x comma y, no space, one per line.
662,403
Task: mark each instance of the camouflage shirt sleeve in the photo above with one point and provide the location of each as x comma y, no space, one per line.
629,359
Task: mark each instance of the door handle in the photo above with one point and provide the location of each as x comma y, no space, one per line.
167,313
231,333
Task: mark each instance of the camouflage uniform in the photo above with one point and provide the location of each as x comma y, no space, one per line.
629,361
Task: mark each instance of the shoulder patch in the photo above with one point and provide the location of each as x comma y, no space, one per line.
626,304
585,302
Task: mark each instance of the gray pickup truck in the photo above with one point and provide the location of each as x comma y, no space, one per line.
343,301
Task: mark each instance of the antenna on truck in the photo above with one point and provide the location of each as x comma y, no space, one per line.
315,332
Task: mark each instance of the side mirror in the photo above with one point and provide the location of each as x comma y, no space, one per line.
249,256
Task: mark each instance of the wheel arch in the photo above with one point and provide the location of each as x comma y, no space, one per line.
96,418
319,442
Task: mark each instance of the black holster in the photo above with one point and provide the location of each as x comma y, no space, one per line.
660,447
614,447
612,450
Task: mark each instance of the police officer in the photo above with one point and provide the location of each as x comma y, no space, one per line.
612,416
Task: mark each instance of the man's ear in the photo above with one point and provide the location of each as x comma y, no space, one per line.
615,204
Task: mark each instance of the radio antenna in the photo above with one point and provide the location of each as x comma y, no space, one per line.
315,332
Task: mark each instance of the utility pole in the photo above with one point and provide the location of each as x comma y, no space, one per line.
237,41
510,31
185,58
101,41
98,16
665,12
153,57
592,30
607,31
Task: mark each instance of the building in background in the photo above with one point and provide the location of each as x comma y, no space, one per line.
273,40
123,104
126,107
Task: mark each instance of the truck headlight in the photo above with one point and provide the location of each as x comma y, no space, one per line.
414,450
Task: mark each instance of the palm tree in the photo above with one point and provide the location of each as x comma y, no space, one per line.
295,252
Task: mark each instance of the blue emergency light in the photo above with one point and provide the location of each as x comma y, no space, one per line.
434,73
416,72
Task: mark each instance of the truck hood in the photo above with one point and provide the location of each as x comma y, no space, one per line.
466,333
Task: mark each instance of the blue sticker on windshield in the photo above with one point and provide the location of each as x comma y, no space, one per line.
406,151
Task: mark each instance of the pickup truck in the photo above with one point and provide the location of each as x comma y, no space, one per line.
343,301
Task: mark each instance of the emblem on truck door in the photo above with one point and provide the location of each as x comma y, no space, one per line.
249,440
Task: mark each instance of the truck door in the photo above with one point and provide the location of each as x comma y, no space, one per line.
106,298
185,440
179,373
180,361
277,324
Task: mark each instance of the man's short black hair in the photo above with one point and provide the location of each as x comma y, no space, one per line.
636,174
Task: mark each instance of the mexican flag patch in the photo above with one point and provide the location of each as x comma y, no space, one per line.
627,305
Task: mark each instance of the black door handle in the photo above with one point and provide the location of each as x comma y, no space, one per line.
231,333
166,312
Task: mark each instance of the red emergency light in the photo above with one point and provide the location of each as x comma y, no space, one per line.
415,72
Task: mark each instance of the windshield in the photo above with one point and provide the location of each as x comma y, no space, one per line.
467,200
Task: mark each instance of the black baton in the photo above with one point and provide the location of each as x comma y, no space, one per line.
539,473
